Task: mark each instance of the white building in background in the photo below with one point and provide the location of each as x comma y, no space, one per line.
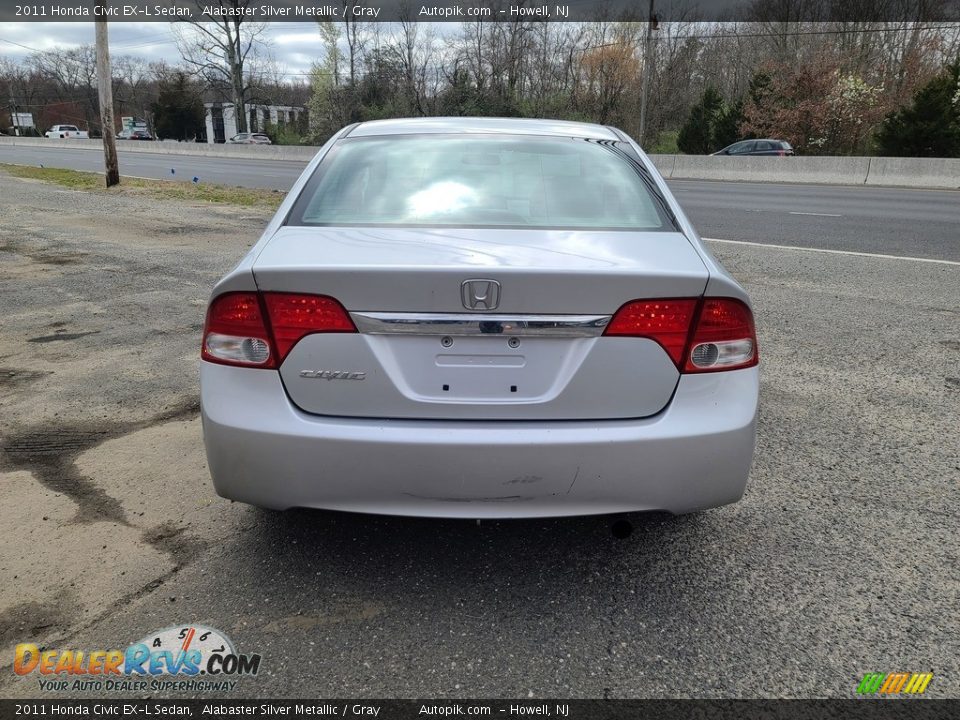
222,122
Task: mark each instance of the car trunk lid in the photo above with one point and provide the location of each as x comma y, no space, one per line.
536,351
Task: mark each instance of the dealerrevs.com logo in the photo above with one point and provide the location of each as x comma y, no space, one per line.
179,658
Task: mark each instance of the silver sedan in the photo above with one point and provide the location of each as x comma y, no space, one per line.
480,318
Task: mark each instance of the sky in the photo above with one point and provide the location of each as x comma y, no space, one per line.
294,45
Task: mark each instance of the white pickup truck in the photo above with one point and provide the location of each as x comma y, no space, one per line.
67,131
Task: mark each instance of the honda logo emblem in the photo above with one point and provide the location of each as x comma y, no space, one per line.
480,294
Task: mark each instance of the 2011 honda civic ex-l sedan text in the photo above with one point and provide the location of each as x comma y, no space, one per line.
480,318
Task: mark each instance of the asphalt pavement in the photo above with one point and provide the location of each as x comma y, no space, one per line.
896,221
841,559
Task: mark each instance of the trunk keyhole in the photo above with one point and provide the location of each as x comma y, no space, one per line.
513,342
446,341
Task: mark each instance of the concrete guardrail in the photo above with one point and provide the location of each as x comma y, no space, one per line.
941,173
896,172
171,147
914,172
832,170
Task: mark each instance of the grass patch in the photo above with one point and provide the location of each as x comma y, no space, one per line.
154,189
666,143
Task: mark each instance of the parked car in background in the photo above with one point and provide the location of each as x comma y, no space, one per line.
134,135
780,148
250,139
480,318
67,131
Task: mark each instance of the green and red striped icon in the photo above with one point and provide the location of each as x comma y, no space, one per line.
894,683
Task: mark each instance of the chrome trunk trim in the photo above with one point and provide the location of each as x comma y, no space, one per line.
569,326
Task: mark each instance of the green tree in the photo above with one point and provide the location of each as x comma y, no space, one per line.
759,85
178,112
930,126
326,103
461,97
696,137
726,126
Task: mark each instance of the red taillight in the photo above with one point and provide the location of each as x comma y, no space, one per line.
258,330
235,332
724,338
699,335
294,316
666,321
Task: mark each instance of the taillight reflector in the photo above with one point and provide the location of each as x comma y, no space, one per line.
259,330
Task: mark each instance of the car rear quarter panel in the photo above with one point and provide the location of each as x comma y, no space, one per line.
240,278
720,283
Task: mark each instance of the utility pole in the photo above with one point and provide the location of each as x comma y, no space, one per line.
647,61
105,87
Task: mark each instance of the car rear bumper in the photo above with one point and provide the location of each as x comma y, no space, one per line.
694,455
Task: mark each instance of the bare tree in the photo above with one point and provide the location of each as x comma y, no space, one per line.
354,32
223,50
134,84
584,71
411,51
73,76
23,88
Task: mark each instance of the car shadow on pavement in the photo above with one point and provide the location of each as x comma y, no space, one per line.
537,559
347,604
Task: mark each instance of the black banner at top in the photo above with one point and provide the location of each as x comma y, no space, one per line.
766,11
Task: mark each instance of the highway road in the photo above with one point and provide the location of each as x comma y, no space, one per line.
893,221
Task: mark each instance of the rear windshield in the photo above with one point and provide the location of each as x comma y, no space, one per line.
481,181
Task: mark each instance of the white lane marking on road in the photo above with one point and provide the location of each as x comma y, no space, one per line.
817,214
834,252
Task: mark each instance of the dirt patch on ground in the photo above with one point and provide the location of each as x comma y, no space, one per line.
31,619
49,453
39,256
104,484
16,377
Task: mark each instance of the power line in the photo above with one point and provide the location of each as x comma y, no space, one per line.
25,47
144,41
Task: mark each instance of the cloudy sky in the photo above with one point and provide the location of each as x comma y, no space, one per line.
294,45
